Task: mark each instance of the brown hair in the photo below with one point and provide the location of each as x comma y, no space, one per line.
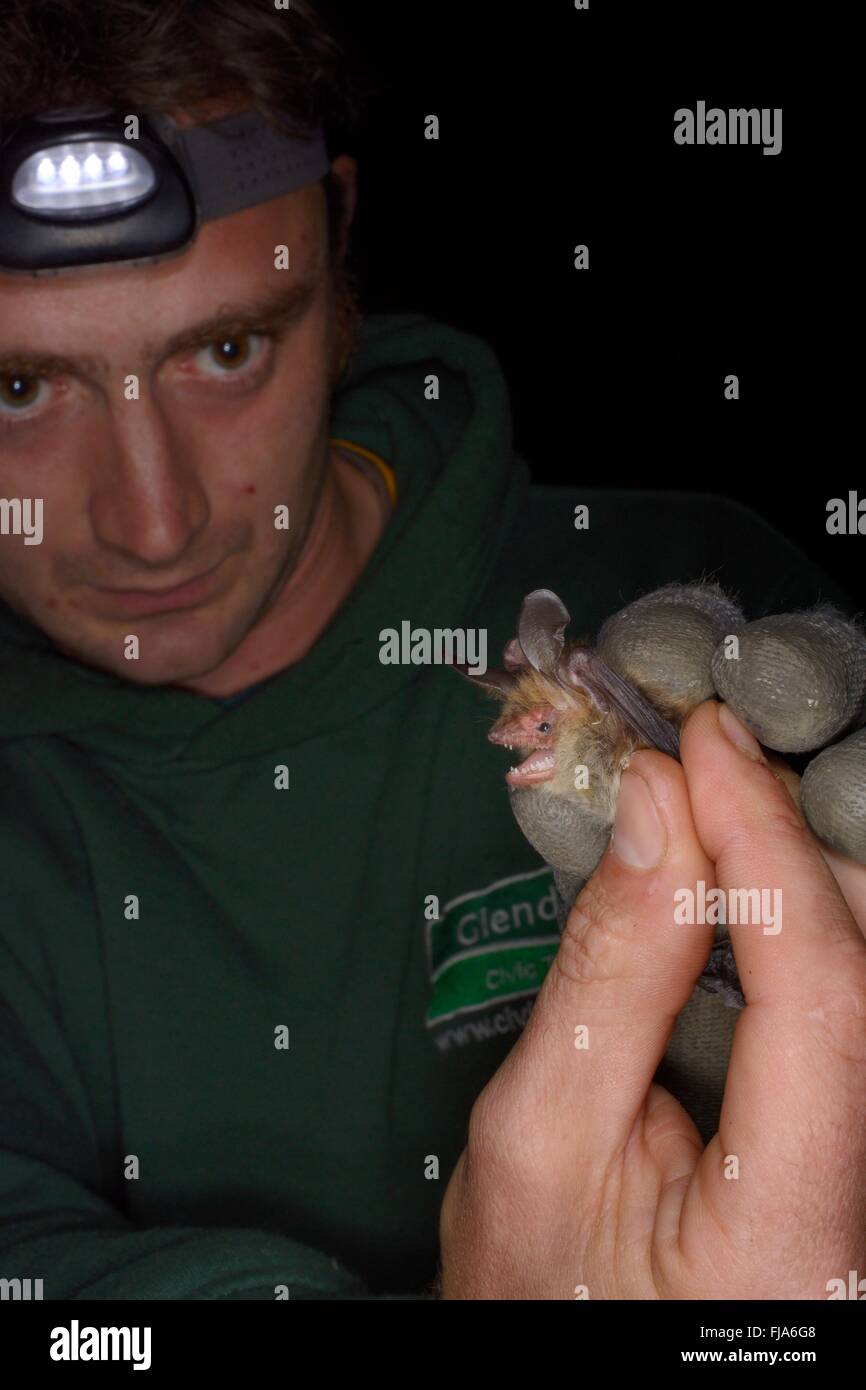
165,55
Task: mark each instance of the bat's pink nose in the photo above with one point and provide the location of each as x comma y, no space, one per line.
532,729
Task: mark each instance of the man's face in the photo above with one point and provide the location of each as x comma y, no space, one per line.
147,493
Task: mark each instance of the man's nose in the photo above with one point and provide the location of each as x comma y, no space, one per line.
146,497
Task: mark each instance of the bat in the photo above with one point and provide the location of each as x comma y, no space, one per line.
563,692
576,722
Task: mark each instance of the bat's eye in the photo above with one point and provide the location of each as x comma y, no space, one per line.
544,728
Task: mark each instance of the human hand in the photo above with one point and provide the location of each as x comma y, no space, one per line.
581,1174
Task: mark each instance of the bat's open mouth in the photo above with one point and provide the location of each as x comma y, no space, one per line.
538,767
531,733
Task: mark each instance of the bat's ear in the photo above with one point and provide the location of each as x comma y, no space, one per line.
498,682
541,628
513,656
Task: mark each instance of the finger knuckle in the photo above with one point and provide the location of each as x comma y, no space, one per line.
594,929
782,820
775,823
838,1020
485,1124
504,1137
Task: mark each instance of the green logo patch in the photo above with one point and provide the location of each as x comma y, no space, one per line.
492,944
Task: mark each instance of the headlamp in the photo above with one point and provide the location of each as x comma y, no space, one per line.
76,191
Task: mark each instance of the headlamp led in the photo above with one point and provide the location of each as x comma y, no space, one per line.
76,192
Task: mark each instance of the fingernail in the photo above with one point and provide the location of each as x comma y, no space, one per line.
739,734
639,837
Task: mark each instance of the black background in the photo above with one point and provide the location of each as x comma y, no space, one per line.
556,128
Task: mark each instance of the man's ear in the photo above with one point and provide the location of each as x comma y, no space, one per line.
344,170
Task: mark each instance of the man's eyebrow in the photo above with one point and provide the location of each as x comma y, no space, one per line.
267,314
262,315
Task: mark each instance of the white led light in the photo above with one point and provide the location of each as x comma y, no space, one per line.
81,178
70,171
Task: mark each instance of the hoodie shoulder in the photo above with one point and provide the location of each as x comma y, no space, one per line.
600,549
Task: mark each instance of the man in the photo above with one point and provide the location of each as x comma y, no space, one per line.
240,1046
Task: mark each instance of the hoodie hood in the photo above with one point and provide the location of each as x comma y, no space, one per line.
459,489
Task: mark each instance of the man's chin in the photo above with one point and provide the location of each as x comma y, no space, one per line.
145,656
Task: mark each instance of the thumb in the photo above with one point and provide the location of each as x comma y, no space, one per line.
623,971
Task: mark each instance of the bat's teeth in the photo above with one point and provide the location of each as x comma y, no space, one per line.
537,765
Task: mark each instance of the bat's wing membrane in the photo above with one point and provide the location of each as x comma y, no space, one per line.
612,693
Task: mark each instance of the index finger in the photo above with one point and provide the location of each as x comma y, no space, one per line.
796,1090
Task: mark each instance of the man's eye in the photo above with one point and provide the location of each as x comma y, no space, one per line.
229,356
19,393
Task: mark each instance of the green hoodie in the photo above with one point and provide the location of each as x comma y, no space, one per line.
173,915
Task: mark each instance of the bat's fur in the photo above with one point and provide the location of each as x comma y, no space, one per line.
581,735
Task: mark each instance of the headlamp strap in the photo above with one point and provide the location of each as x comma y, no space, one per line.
240,160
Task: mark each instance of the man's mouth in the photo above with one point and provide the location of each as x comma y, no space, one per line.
160,600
